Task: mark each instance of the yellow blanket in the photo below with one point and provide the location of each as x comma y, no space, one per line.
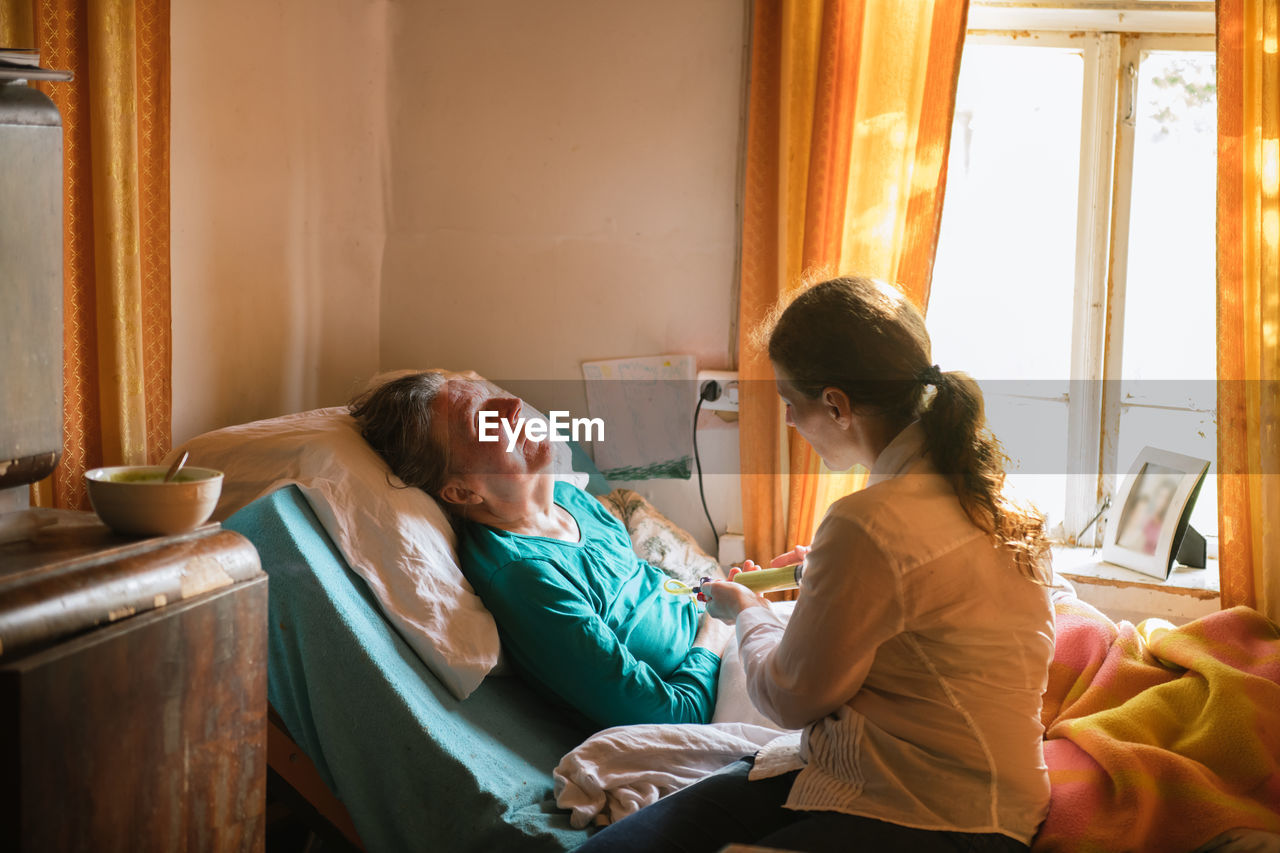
1160,738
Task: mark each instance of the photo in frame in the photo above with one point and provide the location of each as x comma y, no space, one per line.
1152,511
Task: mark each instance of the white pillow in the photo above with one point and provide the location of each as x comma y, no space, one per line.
398,539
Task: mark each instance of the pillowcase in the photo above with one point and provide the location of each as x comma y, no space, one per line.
397,539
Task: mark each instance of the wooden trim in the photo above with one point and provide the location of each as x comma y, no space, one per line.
1122,17
288,760
1096,580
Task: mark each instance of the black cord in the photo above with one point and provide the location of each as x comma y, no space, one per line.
697,461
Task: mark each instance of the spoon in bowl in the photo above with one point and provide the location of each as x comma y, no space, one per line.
176,466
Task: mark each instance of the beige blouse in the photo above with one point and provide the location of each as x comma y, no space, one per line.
915,660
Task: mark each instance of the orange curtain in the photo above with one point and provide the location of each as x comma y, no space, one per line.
849,121
1249,303
116,314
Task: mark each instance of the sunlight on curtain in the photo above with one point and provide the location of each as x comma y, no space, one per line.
15,24
1249,303
849,119
116,314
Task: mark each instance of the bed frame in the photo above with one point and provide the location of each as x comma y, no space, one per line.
295,779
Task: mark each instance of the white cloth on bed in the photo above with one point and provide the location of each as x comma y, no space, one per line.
733,705
620,770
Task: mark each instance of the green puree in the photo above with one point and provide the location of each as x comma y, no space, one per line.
149,477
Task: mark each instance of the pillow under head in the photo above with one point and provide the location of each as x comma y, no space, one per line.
397,538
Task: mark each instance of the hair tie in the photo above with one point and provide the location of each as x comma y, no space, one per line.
930,375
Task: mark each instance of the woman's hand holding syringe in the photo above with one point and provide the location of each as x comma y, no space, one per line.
745,587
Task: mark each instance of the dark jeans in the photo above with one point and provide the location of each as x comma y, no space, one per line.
727,807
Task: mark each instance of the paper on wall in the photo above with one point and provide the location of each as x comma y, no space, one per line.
646,404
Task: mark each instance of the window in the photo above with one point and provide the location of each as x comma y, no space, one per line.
1075,267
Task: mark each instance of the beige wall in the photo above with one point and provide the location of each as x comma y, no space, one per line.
501,185
563,181
563,189
279,143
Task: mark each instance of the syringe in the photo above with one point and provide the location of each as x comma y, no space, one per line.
759,581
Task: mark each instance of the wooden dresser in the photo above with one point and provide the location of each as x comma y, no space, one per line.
133,690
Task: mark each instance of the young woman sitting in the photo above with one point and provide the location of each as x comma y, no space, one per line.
919,646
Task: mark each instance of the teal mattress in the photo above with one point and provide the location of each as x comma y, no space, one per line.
417,769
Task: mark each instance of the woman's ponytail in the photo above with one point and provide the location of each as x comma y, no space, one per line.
966,453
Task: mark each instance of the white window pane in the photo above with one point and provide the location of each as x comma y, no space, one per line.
1001,303
1034,435
1169,285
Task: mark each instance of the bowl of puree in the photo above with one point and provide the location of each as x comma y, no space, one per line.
137,501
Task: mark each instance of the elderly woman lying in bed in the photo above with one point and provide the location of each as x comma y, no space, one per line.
580,616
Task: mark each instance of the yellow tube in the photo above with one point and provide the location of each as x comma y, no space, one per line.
771,580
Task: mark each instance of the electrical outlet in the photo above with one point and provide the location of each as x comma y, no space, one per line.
733,549
719,389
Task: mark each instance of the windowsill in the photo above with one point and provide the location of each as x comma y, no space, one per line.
1084,565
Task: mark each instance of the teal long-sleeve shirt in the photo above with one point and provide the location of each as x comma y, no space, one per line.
589,622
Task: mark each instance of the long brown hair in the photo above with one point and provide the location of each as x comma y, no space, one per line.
865,338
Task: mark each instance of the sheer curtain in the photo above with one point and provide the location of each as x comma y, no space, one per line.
116,314
1249,303
849,122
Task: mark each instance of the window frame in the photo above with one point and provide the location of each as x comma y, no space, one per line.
1115,41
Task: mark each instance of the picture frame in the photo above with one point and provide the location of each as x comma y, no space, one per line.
1151,512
